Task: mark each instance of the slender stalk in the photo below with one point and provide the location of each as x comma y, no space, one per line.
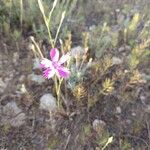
39,51
56,84
61,21
49,34
47,21
50,14
10,11
21,13
58,91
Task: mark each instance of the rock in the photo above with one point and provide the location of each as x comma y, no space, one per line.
36,63
116,61
77,51
15,58
128,121
143,99
48,102
12,115
120,18
98,125
118,110
133,114
146,77
147,109
22,78
124,48
92,27
36,78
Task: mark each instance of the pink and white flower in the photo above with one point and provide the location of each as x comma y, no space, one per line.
55,65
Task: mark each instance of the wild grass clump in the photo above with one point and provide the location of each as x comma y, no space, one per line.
24,16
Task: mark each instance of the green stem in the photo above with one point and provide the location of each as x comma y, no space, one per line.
61,21
21,13
47,21
49,34
56,84
58,91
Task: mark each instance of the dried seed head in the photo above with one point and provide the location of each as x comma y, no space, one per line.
79,92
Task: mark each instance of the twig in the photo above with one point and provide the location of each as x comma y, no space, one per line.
148,129
68,139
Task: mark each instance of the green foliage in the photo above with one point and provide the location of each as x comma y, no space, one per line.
104,140
100,39
79,92
134,22
86,131
125,145
138,53
107,86
62,5
53,142
26,14
16,35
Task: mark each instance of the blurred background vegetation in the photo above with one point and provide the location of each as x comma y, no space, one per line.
110,23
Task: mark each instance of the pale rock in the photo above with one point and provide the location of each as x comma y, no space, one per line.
22,78
124,48
120,18
12,115
134,114
147,109
146,77
91,28
39,79
121,49
15,58
48,102
36,63
143,99
98,125
118,110
77,51
128,121
116,61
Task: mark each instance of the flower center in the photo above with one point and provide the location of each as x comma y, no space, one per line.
56,65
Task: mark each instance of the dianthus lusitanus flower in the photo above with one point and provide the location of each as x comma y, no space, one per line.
55,65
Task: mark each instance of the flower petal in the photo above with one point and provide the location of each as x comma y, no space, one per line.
64,58
63,72
49,73
45,63
54,54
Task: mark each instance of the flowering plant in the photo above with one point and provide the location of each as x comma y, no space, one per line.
55,65
55,68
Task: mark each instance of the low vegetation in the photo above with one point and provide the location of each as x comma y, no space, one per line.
95,58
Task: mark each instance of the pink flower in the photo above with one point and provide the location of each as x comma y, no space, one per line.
55,65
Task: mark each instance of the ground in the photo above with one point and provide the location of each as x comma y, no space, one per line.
82,124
